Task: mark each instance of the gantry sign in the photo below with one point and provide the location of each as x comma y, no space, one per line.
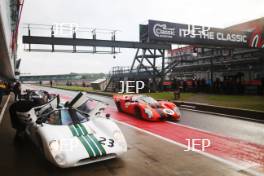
160,34
160,31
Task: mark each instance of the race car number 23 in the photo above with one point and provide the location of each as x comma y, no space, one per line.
107,142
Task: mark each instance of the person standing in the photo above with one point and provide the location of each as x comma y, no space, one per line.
1,95
17,91
3,90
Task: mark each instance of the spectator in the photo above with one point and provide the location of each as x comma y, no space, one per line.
83,84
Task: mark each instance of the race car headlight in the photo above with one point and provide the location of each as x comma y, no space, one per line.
55,149
118,137
60,158
54,146
149,113
176,109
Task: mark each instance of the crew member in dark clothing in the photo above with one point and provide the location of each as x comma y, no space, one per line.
1,95
20,106
17,91
2,90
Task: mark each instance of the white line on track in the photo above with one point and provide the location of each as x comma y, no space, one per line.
232,164
4,108
198,129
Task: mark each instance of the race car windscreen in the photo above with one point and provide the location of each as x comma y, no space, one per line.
63,117
88,106
148,100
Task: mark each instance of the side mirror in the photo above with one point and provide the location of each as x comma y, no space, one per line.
107,116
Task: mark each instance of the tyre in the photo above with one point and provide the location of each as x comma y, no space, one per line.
118,105
138,113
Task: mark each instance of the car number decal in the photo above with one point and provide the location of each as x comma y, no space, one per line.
168,111
110,142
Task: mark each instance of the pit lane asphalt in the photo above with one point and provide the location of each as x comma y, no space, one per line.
147,155
236,128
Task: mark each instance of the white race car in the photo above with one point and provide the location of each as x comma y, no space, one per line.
73,134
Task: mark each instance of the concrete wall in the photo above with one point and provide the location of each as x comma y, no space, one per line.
6,55
5,16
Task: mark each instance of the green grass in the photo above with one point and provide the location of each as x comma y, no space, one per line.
79,88
236,101
170,95
74,88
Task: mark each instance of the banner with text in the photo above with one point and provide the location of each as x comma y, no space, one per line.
200,35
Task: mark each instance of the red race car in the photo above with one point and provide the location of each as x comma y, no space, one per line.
147,108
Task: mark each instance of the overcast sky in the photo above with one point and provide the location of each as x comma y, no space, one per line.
124,15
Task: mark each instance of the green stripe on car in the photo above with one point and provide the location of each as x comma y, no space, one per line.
99,145
89,141
84,132
78,129
73,130
84,128
86,146
94,147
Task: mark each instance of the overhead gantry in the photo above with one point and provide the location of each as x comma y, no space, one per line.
155,38
147,52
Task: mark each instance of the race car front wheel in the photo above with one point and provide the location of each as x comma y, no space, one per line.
138,113
118,105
